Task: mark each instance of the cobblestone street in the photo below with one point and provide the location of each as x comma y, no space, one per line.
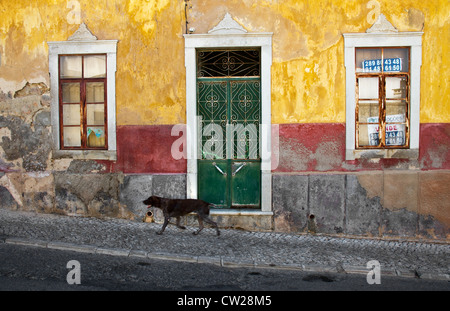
231,248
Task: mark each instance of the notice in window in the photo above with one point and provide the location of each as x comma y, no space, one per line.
395,133
389,64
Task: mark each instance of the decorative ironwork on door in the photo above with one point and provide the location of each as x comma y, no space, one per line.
228,63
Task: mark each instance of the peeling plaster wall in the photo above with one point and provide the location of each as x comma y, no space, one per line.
308,78
364,197
25,123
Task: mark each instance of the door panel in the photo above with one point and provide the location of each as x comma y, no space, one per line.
245,184
212,182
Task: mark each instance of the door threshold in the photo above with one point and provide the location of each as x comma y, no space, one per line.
239,212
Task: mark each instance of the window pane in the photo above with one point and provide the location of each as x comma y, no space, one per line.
395,111
95,92
72,137
368,88
95,66
368,60
396,87
71,115
368,110
70,67
96,136
369,135
71,93
95,114
399,59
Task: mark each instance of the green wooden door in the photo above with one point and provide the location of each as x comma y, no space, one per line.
229,111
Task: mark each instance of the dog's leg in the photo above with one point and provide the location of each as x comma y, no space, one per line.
178,223
200,225
166,221
205,218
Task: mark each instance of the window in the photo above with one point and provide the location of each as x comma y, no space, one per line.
82,102
382,87
83,107
382,91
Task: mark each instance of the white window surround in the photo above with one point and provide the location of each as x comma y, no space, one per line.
383,39
83,42
229,34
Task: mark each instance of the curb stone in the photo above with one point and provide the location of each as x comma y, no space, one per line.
113,251
72,247
216,260
137,253
26,242
170,256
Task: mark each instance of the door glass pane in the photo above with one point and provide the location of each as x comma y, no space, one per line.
396,87
212,108
95,92
71,114
95,66
72,137
70,67
245,115
95,114
368,88
70,93
212,141
96,136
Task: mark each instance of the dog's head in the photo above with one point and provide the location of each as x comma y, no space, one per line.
153,201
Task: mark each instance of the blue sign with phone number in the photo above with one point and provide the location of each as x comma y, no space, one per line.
389,64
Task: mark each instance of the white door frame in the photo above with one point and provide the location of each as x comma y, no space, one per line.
231,39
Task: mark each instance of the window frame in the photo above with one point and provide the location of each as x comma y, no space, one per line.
84,47
382,99
413,40
83,102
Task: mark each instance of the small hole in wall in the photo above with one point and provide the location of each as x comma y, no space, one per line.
311,216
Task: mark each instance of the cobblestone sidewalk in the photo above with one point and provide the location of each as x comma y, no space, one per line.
231,248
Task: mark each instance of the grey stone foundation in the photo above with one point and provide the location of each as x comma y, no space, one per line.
367,204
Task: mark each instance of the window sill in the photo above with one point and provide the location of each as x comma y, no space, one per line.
351,154
109,155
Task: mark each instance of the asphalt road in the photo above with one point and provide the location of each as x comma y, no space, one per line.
33,268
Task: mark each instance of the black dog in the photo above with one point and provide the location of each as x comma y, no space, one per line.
179,207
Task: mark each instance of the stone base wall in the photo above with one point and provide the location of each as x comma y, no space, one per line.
379,204
394,204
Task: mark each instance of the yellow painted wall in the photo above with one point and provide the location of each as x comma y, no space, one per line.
308,74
